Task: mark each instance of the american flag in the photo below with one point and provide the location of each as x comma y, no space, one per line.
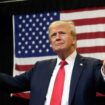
31,42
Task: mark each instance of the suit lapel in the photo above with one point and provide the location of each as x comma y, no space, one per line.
47,76
77,71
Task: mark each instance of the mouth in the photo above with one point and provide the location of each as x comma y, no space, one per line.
59,43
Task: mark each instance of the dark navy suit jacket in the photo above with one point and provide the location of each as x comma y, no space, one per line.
86,80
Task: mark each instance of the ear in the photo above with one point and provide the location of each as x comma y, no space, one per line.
74,41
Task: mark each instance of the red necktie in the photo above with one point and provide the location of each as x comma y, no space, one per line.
58,86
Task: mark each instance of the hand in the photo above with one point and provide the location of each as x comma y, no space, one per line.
103,67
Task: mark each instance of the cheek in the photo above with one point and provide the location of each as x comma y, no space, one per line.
51,44
69,42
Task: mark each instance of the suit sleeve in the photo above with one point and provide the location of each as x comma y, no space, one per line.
18,83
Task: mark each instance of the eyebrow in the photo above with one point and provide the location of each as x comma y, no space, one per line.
59,32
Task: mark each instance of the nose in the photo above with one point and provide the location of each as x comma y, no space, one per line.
58,36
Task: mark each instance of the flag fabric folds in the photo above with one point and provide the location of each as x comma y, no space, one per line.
30,32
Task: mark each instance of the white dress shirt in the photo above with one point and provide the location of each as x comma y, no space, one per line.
68,72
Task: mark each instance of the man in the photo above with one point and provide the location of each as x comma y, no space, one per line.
83,76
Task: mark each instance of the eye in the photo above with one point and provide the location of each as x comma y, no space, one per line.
62,33
53,35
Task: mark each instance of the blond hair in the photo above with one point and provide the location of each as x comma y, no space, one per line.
69,23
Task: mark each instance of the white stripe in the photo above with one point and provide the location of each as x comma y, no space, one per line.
91,42
11,1
31,60
83,15
16,72
90,28
95,55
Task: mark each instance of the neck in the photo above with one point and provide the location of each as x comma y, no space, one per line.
63,55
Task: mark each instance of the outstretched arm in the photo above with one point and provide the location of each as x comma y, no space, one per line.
14,84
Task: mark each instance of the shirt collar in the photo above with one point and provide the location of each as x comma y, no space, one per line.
69,59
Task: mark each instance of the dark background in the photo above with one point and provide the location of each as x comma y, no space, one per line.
6,32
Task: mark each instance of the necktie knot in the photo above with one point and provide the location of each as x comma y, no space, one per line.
63,62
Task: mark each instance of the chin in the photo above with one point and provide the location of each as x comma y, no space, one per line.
58,50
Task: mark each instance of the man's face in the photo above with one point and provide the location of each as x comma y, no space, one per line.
61,38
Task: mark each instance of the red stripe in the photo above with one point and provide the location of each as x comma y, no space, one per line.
100,94
90,35
83,9
22,95
91,49
89,21
23,67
